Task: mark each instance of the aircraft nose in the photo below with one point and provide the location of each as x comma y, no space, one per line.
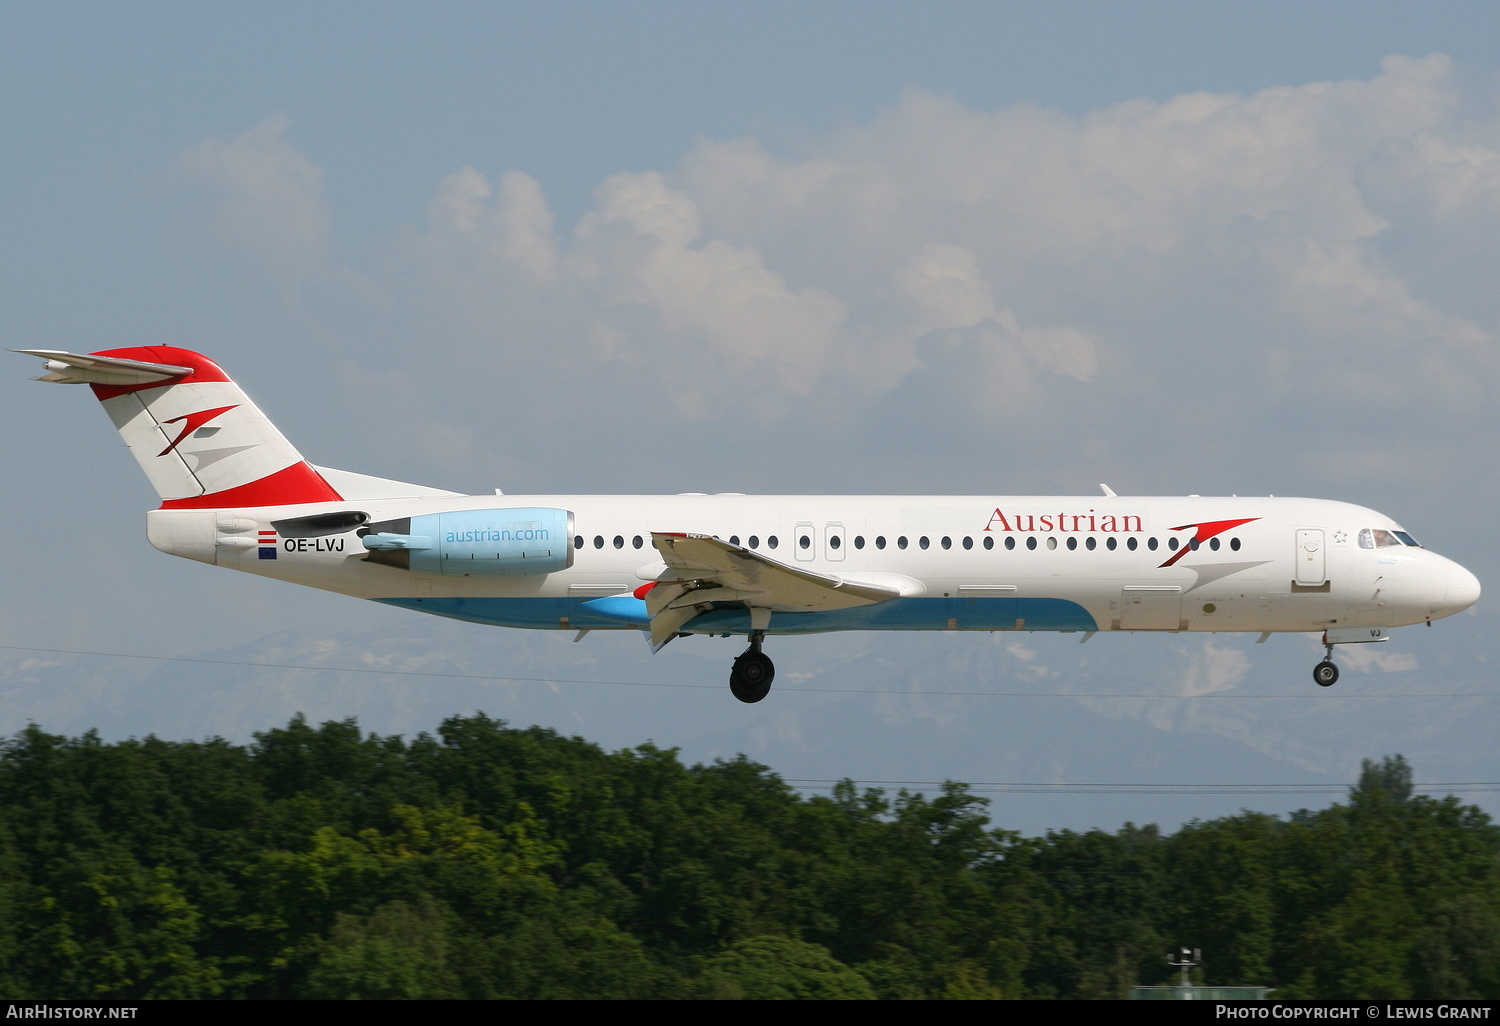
1462,592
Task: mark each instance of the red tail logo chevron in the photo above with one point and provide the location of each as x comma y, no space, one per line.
1204,533
193,421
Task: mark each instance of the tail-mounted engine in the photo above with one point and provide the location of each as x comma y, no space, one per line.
475,542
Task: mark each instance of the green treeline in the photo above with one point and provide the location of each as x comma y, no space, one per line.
487,861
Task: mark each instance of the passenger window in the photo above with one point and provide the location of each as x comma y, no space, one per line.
1110,543
1214,544
968,542
1151,544
947,542
880,541
804,542
1031,542
734,539
636,541
578,542
834,542
1172,544
598,541
901,542
1052,543
1193,544
619,542
859,541
1072,543
1089,543
1010,541
1234,543
771,542
923,541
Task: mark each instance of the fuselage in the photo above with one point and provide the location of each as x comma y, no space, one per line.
236,493
988,563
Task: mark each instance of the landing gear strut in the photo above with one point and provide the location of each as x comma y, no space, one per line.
1325,673
750,679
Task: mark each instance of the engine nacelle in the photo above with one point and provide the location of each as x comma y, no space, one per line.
509,542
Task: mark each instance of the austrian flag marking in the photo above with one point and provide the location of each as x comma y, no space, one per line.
267,542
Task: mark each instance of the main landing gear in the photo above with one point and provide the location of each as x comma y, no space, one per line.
750,679
1326,674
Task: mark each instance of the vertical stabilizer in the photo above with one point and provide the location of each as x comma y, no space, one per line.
195,433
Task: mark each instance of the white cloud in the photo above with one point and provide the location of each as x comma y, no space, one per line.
460,205
266,196
464,226
944,284
526,224
1458,176
1338,289
1213,668
712,295
1377,659
647,205
1018,649
957,274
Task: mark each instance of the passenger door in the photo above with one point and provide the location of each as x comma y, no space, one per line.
1311,559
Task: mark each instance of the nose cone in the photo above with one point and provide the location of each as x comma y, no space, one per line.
1463,590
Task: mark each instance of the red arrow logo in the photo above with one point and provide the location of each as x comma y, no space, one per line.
1203,534
194,421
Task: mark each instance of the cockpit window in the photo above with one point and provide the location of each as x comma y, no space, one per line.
1408,539
1378,538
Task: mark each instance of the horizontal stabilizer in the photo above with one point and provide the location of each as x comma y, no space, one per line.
78,369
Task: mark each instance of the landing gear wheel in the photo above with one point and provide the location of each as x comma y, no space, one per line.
750,679
1326,674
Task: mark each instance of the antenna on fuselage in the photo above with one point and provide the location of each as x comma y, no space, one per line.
1108,490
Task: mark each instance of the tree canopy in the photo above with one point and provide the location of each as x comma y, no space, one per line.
485,861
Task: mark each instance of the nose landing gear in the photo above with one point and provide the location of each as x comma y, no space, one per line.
1326,674
750,678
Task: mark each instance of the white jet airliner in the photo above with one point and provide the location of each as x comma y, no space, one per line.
236,493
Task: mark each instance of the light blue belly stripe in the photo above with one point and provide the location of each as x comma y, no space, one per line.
623,612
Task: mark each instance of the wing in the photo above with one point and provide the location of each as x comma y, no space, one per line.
702,570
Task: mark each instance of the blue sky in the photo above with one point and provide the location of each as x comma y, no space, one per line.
858,247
